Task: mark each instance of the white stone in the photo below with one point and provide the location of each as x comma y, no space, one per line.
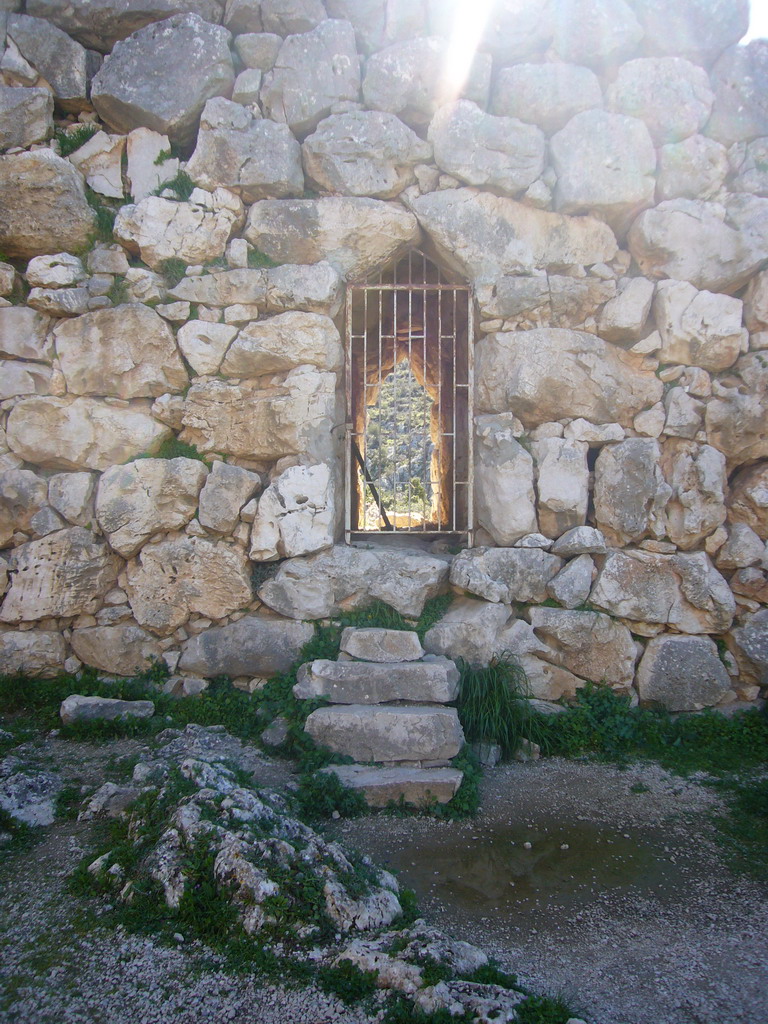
698,328
71,494
562,479
505,574
742,549
204,344
623,318
24,334
150,164
59,271
99,160
123,650
468,630
671,95
21,378
296,514
77,708
697,475
547,95
32,652
587,644
573,583
376,733
255,645
682,673
353,682
381,645
283,342
226,490
630,491
504,495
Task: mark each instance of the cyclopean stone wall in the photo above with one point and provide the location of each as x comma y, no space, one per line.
601,181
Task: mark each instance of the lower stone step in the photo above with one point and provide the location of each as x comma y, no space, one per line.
418,786
368,732
359,682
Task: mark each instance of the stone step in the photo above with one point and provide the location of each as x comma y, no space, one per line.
435,681
382,645
418,786
367,732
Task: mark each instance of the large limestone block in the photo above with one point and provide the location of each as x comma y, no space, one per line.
17,378
82,433
517,640
143,83
742,549
484,236
313,71
294,417
252,646
195,232
623,318
100,161
309,289
595,32
204,344
125,352
419,787
755,303
77,708
178,577
671,95
698,30
149,166
282,343
740,83
630,491
751,640
582,540
515,29
604,162
498,152
562,484
682,673
226,490
572,585
354,682
383,646
24,334
296,515
363,153
697,475
344,577
32,652
71,495
468,630
698,328
286,16
692,169
224,288
505,503
683,591
749,160
589,644
26,116
355,235
122,650
22,495
249,155
65,573
410,79
505,574
371,733
62,63
43,208
545,374
748,502
142,498
735,421
547,95
58,271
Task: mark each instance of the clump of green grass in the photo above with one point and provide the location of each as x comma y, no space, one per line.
493,705
172,271
173,448
72,139
542,1010
258,259
105,216
180,184
118,293
348,982
321,794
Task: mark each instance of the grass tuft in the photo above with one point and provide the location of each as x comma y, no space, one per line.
493,705
72,139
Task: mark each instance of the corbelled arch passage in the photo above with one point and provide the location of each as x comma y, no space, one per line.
409,402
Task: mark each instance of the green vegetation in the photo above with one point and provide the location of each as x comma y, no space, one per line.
173,448
258,259
180,184
106,211
319,796
493,707
347,982
72,139
118,291
542,1010
172,271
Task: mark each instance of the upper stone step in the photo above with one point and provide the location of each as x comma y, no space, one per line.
380,786
384,645
365,733
357,682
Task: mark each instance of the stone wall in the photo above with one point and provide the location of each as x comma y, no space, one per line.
599,177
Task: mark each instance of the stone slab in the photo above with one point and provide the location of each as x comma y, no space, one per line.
366,733
380,786
381,645
355,682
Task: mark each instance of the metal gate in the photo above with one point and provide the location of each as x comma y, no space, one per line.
409,403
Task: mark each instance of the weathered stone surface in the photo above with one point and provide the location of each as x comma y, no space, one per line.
252,422
748,502
544,374
313,71
547,95
354,235
373,733
749,161
249,155
419,787
751,583
573,583
226,490
363,153
32,652
149,166
696,473
504,497
740,83
671,95
204,344
43,208
142,84
28,797
752,641
282,343
588,644
735,421
147,496
483,236
698,30
595,32
122,650
630,491
171,580
468,630
56,271
286,16
698,328
684,414
26,116
604,162
623,318
682,673
562,482
17,378
252,646
505,574
381,645
581,540
692,169
125,352
517,640
71,494
22,495
58,302
243,16
77,708
683,591
410,79
742,549
65,573
195,232
312,289
323,584
99,160
81,433
498,152
24,334
60,61
515,29
353,682
296,514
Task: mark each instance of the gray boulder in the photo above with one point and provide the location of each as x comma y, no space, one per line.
77,708
562,482
64,64
22,495
253,646
381,645
505,502
24,334
505,574
258,50
692,169
33,652
572,585
751,640
353,682
735,421
671,95
124,649
547,95
697,475
367,732
28,796
226,490
419,787
588,644
748,502
682,673
26,116
630,491
595,32
291,16
468,630
749,161
698,30
699,328
740,83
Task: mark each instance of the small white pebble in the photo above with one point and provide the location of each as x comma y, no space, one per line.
527,846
